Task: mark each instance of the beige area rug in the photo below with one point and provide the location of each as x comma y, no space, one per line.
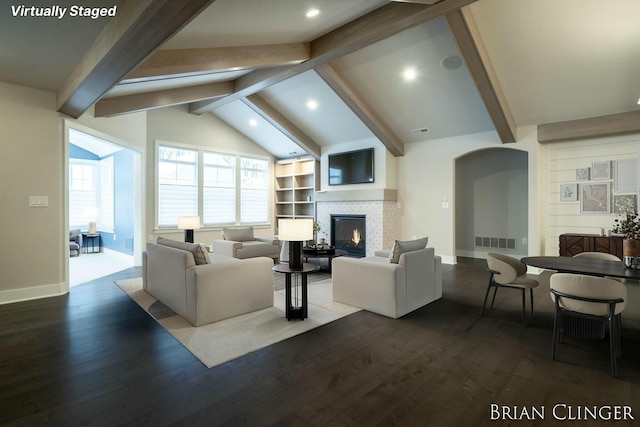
222,341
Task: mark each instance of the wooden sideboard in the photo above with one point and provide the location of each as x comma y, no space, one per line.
571,244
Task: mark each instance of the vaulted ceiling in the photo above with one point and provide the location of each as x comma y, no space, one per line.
478,66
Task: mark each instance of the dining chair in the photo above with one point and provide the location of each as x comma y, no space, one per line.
603,256
589,297
508,272
597,255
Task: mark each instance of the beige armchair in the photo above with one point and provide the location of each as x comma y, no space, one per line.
240,242
391,289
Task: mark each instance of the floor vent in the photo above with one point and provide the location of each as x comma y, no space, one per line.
495,242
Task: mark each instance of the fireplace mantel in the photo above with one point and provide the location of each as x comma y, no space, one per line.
381,194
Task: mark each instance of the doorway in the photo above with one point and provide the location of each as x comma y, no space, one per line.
492,203
103,202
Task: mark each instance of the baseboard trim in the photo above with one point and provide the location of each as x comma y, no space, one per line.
36,292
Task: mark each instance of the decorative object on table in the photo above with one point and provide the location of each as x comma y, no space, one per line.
595,198
316,229
188,224
295,231
582,174
92,216
601,170
629,227
568,192
623,203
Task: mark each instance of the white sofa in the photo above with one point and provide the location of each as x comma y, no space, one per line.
377,285
239,242
205,293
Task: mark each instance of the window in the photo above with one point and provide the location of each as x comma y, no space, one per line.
82,192
91,193
177,184
219,188
232,189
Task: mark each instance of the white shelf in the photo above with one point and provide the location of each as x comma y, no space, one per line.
297,177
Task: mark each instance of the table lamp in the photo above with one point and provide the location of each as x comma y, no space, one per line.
92,215
188,224
295,231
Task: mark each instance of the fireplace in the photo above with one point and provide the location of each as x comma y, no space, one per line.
348,232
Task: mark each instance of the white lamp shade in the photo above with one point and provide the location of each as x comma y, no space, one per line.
295,230
189,222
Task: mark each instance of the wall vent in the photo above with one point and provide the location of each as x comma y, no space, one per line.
495,242
419,131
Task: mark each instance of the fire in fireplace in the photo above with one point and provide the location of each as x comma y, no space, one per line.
348,232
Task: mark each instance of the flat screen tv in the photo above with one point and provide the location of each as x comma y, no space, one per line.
353,167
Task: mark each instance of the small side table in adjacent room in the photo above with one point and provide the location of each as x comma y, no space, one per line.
93,239
292,311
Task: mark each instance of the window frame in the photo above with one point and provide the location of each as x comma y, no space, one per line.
201,187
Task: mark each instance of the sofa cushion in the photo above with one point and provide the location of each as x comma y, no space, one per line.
238,234
199,252
403,246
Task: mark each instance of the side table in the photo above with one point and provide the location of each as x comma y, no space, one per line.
318,254
292,311
86,237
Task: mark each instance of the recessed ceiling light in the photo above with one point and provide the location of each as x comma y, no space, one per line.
312,13
253,122
312,104
410,74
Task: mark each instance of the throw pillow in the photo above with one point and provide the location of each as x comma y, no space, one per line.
400,247
199,252
238,234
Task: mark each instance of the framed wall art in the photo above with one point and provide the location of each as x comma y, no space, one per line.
582,174
595,198
625,172
601,170
625,203
568,192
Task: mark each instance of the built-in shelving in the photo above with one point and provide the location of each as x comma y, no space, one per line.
296,185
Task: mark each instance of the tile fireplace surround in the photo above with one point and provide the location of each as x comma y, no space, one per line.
379,207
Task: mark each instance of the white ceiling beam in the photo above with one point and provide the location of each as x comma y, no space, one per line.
280,122
188,62
613,124
139,28
361,108
417,1
471,46
108,107
360,33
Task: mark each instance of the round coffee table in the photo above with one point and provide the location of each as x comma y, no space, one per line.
318,254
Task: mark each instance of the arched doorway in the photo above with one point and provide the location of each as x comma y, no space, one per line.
492,210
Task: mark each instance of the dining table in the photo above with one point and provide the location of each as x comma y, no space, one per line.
592,267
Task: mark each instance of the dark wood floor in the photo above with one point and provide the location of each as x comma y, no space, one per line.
93,357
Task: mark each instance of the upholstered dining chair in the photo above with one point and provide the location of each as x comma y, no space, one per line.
589,297
603,256
508,272
597,255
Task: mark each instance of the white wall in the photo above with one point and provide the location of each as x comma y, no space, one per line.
31,164
426,179
561,159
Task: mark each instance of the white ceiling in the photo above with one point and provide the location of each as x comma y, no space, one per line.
554,60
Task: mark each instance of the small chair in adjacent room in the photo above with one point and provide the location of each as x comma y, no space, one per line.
75,242
588,297
508,272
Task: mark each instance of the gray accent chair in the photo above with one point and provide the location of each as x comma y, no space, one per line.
75,242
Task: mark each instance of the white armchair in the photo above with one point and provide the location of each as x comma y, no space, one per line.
377,285
239,242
